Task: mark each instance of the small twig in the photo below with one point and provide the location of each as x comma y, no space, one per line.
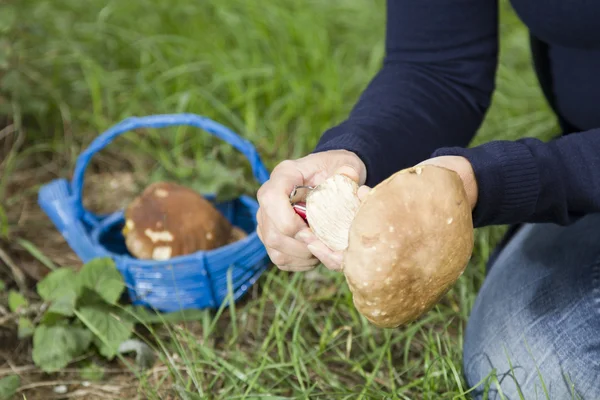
82,393
35,370
104,388
4,132
18,275
35,309
15,146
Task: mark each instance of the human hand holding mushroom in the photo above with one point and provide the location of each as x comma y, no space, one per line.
284,234
402,244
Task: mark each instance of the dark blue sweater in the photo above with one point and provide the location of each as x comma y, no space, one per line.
435,86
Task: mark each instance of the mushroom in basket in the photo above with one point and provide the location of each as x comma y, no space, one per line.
168,220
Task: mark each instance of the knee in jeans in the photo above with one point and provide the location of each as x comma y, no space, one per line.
529,356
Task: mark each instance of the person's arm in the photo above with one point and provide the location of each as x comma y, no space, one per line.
433,90
529,180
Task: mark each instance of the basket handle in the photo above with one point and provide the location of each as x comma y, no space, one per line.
260,172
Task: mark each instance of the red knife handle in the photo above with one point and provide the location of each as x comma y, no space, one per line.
300,209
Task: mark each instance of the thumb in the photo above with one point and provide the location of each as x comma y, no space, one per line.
348,171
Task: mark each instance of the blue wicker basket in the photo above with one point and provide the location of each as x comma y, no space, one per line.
198,280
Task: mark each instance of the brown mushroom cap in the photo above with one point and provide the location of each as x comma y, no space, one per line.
168,220
408,243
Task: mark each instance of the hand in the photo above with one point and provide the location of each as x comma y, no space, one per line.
463,168
290,243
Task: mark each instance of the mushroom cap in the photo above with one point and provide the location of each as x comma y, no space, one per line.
409,241
168,220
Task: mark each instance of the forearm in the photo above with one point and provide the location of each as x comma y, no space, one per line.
529,180
433,90
404,114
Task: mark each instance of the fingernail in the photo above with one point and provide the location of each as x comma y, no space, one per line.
363,191
348,171
303,235
313,249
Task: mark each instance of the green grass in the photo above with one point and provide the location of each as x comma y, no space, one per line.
276,72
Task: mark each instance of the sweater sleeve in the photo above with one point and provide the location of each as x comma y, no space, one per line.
529,180
432,91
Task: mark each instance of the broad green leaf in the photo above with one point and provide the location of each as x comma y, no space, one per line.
101,275
92,372
26,328
64,305
8,386
60,288
16,300
51,318
2,286
110,326
55,346
57,284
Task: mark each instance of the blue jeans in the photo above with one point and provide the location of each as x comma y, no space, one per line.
536,320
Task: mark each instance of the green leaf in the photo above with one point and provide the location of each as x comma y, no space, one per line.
51,318
26,328
9,386
101,275
54,285
55,346
110,326
92,372
2,286
16,300
64,305
60,288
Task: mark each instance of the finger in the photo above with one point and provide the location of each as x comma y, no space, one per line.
302,260
331,260
284,262
273,197
363,191
275,240
307,265
349,172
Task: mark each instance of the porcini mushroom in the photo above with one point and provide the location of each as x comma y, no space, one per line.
404,246
168,220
